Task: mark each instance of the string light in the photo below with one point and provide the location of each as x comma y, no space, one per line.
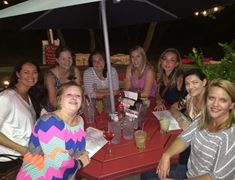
216,9
5,2
209,12
204,13
6,83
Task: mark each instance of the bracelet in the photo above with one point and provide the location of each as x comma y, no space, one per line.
81,163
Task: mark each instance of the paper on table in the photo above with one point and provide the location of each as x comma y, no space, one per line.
94,140
166,114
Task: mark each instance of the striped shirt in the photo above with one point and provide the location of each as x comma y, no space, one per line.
90,78
212,153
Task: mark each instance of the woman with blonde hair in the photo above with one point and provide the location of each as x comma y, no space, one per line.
211,137
140,75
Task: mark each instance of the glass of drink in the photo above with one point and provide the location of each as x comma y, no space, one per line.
164,125
99,105
108,135
140,139
128,128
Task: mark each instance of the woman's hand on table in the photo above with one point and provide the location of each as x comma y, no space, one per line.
163,167
160,106
183,124
84,158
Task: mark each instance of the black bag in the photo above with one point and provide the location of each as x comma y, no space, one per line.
9,169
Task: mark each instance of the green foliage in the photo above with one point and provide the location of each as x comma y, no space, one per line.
224,70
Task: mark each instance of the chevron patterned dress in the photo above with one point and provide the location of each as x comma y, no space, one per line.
53,150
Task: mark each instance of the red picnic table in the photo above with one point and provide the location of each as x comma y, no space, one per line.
125,160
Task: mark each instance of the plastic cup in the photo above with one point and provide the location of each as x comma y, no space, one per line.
90,114
164,125
115,127
128,129
140,139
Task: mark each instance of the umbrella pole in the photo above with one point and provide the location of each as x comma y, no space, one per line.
107,53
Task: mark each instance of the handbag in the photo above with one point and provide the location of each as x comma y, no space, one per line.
14,167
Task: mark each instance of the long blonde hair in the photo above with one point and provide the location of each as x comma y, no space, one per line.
228,87
140,50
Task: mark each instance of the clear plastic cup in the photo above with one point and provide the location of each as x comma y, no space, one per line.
128,129
140,139
164,125
89,114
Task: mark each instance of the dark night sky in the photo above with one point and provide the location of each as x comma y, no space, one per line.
200,32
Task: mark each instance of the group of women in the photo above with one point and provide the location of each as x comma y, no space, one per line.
54,145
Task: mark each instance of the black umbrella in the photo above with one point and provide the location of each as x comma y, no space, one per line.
87,13
90,13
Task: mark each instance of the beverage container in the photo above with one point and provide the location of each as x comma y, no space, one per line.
108,135
114,125
89,110
99,105
90,114
107,104
140,139
128,128
164,125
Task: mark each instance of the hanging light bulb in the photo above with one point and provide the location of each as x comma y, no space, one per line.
216,9
116,1
196,13
5,2
204,13
6,83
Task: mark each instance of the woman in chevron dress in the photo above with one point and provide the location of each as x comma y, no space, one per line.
57,144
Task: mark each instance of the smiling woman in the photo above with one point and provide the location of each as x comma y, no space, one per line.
17,114
211,137
140,75
64,71
57,145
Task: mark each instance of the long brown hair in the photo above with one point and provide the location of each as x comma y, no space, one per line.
175,73
58,51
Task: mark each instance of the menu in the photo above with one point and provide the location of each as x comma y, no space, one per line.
94,140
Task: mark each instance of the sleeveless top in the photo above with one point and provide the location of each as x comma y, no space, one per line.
138,83
171,95
57,81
